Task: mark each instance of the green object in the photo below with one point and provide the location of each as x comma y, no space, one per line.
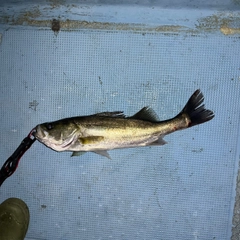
14,219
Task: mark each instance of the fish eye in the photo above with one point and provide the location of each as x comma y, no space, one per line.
49,126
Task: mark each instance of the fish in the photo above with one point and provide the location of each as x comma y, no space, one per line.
113,130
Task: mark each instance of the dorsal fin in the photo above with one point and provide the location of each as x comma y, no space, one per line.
117,114
147,114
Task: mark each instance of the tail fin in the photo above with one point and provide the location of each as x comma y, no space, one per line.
196,111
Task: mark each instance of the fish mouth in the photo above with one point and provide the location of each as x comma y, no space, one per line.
39,133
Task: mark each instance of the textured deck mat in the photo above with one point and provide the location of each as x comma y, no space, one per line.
182,190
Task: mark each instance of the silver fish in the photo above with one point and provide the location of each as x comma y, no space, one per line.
110,130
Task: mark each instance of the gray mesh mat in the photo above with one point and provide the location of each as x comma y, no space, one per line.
183,190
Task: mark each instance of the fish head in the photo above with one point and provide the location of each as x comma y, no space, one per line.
58,135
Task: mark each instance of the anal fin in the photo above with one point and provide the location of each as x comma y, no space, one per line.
159,142
103,153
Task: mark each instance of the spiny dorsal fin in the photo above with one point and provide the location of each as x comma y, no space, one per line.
147,114
117,114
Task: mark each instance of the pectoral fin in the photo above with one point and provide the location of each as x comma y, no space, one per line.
90,139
